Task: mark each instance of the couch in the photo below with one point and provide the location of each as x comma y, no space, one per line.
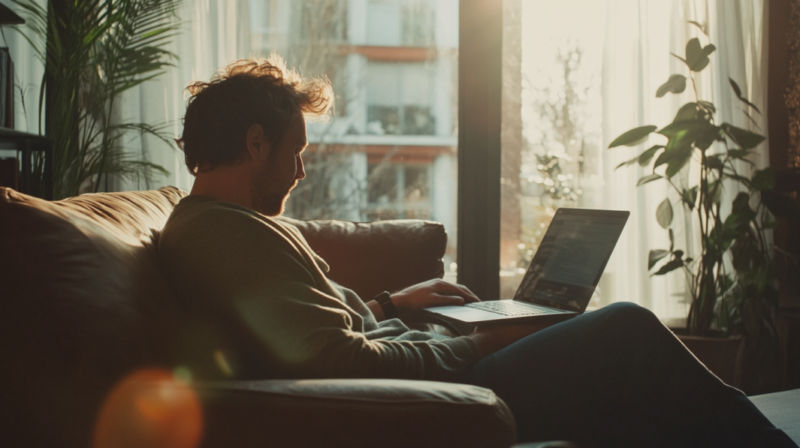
84,305
94,344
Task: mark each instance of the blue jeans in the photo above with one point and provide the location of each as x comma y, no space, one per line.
617,377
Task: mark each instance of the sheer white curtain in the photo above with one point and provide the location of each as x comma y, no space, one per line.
640,34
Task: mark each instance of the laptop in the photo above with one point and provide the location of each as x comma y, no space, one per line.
562,276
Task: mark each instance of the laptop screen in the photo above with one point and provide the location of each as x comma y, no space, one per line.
571,258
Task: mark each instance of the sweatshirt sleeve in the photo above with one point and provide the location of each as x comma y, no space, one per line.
282,313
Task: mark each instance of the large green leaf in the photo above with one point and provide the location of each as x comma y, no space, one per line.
738,153
633,137
645,157
627,162
741,215
714,162
647,179
707,106
687,112
682,157
745,138
669,267
677,128
696,55
738,93
675,84
694,51
741,202
763,179
739,178
735,87
663,158
688,132
737,220
704,140
689,197
664,214
654,256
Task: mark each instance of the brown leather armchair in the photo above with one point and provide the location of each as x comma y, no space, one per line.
83,304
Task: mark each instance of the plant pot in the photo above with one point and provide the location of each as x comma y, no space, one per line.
721,355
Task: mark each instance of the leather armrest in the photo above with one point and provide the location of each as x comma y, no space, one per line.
380,256
353,413
304,413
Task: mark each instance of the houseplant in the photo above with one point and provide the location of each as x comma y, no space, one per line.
93,52
731,279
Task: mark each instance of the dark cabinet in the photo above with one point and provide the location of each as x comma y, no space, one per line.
26,163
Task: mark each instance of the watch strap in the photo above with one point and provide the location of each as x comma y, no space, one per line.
384,299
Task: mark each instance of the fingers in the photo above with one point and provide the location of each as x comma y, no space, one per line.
451,300
443,287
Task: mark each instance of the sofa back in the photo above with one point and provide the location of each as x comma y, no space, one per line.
82,303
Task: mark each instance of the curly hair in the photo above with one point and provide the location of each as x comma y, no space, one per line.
247,92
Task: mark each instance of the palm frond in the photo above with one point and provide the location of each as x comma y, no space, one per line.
93,51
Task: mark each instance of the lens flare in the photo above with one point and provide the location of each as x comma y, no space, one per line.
150,408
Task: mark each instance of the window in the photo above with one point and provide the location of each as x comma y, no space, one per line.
552,153
390,150
399,191
408,23
576,74
433,91
399,98
260,16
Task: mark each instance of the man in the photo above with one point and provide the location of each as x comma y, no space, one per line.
613,377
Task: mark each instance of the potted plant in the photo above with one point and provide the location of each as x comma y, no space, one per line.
726,297
93,52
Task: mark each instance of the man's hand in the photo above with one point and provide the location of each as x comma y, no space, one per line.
491,338
432,293
425,295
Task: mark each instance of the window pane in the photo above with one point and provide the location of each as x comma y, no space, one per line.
552,69
390,150
576,74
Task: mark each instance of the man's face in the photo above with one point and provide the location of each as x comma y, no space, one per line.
277,177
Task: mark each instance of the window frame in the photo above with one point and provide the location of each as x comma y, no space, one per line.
479,145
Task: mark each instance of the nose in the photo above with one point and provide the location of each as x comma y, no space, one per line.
301,169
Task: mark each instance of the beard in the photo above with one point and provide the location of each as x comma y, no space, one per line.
269,199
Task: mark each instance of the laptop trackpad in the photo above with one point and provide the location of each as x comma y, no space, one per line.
464,313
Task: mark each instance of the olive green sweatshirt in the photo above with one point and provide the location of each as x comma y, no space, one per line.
266,289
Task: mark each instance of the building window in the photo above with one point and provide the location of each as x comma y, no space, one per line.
399,96
393,23
260,15
398,191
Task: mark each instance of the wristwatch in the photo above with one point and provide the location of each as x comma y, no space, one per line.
385,301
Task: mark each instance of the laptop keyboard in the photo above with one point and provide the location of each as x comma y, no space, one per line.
510,308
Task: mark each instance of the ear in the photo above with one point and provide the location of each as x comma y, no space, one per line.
256,141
